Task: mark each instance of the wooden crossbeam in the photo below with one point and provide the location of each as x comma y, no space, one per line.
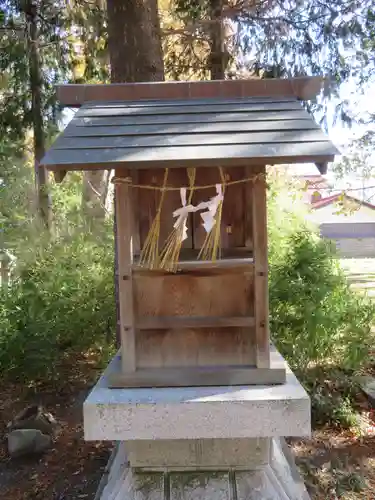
198,376
178,322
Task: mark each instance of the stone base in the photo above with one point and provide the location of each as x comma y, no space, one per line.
276,480
198,454
232,412
199,443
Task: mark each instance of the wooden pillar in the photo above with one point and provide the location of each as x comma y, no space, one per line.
261,311
136,236
124,234
248,209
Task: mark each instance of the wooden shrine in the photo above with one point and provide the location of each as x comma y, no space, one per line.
191,221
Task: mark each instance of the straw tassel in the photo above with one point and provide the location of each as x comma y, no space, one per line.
171,252
211,246
150,253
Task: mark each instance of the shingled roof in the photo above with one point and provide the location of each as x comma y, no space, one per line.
191,132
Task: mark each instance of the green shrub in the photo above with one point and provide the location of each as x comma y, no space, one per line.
319,324
333,393
315,317
63,302
334,411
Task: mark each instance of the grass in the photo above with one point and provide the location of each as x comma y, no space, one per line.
337,462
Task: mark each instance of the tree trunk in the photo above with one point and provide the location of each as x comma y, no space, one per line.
36,80
134,41
218,59
136,55
94,195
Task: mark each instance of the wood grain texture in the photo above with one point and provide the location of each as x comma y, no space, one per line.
148,201
232,234
191,255
179,322
203,267
261,274
204,347
185,102
248,209
187,296
136,236
198,376
227,253
301,87
223,265
124,221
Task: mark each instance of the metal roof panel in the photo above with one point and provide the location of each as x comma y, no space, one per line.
261,130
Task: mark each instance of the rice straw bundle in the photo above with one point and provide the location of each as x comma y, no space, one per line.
150,252
171,251
211,246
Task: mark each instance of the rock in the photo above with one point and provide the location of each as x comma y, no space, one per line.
368,387
34,417
27,442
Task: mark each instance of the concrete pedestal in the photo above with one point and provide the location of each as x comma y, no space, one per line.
195,412
198,454
278,479
219,443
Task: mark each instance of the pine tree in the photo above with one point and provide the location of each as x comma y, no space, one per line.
270,38
33,57
134,41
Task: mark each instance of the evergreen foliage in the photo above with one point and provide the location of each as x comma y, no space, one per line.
62,299
270,39
315,317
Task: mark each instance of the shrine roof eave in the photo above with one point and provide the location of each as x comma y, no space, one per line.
191,133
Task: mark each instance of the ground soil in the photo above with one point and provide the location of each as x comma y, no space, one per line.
72,468
335,465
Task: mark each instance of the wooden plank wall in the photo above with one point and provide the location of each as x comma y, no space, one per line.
216,296
233,231
232,222
196,347
226,295
148,202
